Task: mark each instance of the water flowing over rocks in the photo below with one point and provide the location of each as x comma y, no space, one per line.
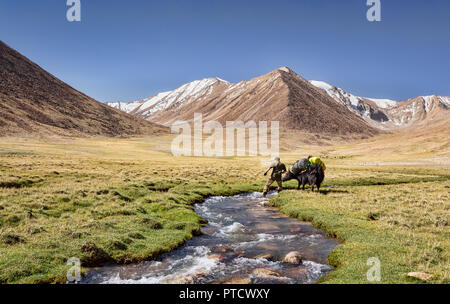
293,257
243,242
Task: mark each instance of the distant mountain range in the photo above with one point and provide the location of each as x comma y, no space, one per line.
35,102
283,95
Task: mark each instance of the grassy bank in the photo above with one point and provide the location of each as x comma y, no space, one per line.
403,222
129,200
101,201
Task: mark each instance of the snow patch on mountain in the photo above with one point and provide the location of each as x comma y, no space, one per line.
171,99
445,100
322,85
124,106
179,96
428,102
383,103
337,94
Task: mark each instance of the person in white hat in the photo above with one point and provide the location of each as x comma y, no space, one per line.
278,168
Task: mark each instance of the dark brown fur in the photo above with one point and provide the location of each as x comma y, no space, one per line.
313,176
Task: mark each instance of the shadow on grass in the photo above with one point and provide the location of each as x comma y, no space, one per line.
327,191
323,191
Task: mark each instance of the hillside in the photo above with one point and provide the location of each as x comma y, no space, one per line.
35,102
184,95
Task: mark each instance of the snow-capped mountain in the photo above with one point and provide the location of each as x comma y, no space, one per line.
281,95
272,95
386,113
417,110
367,108
171,100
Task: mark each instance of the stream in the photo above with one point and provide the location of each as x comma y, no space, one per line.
243,242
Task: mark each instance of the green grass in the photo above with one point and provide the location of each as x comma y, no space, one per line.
404,225
128,204
106,208
125,224
380,181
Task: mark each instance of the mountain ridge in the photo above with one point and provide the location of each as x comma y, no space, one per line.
381,114
281,95
386,113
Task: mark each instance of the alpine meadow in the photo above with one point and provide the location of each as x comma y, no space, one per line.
179,143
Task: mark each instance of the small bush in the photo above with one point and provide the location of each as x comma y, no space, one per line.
136,236
121,196
12,239
176,226
117,245
152,223
93,255
17,184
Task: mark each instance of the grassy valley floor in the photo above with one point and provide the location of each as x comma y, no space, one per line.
128,200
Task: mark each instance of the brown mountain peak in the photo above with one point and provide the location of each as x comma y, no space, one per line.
281,95
284,69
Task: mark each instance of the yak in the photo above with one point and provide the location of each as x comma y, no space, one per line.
313,176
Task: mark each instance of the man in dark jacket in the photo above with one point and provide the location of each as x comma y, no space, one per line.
278,168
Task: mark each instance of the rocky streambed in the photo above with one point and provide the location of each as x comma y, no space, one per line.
244,242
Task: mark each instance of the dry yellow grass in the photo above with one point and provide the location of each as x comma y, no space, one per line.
129,199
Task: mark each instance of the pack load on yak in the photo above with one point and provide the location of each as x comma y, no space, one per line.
300,165
317,161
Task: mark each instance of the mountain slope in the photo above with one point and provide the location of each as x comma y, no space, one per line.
170,100
35,102
390,114
281,95
419,110
368,109
320,112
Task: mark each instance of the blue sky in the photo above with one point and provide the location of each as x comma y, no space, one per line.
127,50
